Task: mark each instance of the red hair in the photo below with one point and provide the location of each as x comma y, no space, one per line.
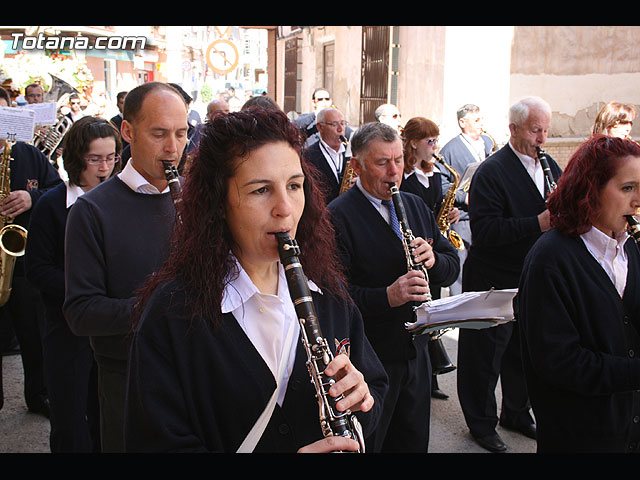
576,201
416,129
201,241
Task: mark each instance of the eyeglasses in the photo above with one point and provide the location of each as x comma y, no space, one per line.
319,99
432,141
99,160
335,124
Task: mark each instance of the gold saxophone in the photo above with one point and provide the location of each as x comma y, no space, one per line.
495,145
13,237
447,205
349,174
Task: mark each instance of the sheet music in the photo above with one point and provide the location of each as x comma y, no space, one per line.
46,113
465,179
17,121
467,310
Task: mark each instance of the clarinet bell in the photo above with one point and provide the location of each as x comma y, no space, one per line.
440,362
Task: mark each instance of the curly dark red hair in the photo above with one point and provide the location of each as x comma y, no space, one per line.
201,241
576,201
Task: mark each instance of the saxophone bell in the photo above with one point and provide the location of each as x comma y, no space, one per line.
13,237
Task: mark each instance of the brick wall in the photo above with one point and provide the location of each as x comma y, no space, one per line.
561,149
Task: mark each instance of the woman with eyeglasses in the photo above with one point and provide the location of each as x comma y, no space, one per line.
423,178
615,119
91,155
421,174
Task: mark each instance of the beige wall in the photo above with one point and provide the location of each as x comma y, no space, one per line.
576,69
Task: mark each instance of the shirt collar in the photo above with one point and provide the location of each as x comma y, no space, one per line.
73,192
526,159
333,152
239,288
376,201
136,182
602,244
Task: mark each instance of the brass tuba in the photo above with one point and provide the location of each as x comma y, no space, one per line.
447,205
13,237
48,139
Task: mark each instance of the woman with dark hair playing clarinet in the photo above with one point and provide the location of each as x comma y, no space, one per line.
217,362
579,306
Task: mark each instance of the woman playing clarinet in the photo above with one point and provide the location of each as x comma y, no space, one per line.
579,306
217,363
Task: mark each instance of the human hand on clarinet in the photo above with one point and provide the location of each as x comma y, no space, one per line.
331,444
351,385
422,252
410,287
544,219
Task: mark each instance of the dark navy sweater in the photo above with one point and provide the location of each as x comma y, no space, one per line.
115,238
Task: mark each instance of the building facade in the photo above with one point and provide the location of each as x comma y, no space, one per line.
431,71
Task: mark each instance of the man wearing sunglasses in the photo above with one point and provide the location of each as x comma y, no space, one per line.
308,123
75,109
390,115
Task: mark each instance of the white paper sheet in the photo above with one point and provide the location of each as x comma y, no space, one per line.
19,122
467,310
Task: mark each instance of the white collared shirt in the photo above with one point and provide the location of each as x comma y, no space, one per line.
136,182
73,192
533,167
334,159
476,147
265,319
376,202
609,253
423,177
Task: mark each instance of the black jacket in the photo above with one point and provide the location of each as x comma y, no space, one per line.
374,258
580,345
330,184
504,204
195,388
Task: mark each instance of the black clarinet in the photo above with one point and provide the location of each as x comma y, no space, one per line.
548,177
172,176
634,227
332,422
440,362
407,235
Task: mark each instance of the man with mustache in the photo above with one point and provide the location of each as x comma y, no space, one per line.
117,235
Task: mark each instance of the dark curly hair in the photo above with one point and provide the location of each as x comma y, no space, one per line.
574,204
201,241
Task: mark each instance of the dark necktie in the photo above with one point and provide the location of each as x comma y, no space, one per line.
393,218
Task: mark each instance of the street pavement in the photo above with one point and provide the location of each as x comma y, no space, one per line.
24,432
